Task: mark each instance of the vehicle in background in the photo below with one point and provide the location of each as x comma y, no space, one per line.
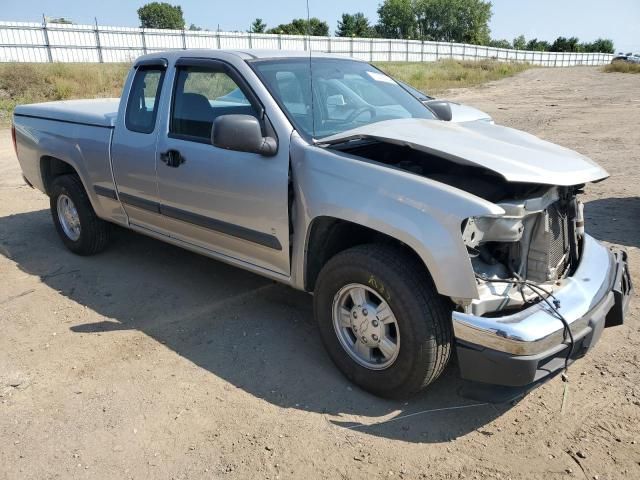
417,237
446,109
628,58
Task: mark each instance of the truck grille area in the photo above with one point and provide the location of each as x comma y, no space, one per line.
549,254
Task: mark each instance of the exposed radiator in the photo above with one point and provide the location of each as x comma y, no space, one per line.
549,249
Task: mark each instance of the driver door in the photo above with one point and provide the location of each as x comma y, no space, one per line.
229,202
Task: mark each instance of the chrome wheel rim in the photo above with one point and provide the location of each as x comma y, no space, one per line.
366,327
68,217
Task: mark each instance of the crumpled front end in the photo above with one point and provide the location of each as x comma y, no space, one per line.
546,290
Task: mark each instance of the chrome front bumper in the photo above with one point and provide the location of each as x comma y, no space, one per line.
528,341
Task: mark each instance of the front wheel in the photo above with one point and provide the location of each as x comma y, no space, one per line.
382,321
79,227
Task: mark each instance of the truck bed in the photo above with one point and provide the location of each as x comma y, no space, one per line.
76,132
100,112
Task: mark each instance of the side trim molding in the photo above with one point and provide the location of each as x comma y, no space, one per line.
140,202
253,236
105,192
231,229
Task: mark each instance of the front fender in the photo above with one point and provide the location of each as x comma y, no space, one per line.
424,214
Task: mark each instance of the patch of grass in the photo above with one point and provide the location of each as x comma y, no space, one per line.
622,67
22,83
435,77
31,83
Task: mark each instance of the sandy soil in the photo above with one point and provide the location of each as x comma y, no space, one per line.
151,362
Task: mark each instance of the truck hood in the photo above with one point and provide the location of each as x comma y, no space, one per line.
515,155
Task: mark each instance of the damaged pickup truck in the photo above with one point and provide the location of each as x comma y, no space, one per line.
419,238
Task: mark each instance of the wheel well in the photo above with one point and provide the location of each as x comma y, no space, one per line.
330,236
50,168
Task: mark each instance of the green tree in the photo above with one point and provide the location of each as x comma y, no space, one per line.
300,26
194,28
520,43
601,45
538,45
562,44
161,15
500,43
396,19
258,26
453,20
356,25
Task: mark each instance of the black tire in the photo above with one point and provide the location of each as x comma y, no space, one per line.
423,317
94,232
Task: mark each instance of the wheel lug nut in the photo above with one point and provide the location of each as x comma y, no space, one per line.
375,323
365,312
374,337
355,315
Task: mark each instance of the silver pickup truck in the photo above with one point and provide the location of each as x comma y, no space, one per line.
419,238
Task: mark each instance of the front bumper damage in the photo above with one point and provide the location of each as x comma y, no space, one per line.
524,348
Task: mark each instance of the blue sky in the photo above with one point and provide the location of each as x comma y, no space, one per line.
544,19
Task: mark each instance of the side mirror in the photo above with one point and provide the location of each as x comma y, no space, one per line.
242,133
441,109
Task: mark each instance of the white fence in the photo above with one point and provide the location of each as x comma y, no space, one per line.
53,42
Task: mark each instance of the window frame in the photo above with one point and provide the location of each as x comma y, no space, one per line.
215,66
141,67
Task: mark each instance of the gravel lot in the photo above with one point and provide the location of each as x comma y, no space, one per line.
151,362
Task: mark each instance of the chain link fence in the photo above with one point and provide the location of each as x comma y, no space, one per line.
54,42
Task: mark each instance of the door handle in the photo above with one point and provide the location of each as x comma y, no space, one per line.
173,158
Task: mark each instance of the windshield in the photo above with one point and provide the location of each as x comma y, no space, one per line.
346,94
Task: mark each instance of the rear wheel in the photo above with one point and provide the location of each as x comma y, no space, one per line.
382,321
79,227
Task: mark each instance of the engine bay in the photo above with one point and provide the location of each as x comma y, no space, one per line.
531,248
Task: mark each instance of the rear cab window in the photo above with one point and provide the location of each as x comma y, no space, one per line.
144,99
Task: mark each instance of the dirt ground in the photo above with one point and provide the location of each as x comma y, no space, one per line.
150,362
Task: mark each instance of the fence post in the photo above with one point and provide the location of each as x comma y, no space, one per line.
97,32
46,38
389,50
250,41
437,51
279,41
351,47
144,41
451,51
371,49
407,50
218,43
422,51
184,40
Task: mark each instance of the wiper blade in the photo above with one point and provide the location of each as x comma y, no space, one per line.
341,141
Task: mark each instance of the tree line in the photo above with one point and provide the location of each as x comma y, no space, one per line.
460,21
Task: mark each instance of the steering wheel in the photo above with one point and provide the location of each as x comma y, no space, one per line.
359,111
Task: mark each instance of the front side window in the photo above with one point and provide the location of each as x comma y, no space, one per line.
340,95
201,95
142,106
